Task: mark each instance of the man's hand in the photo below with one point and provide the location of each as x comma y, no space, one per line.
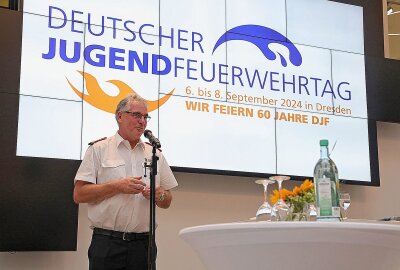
159,191
163,197
85,192
130,185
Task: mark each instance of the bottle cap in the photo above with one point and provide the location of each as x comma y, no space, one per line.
323,143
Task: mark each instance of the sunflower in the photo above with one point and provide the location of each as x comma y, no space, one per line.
307,185
285,193
304,193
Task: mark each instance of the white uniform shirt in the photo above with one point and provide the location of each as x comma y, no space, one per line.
113,159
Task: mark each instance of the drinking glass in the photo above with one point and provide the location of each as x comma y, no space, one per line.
344,201
280,210
265,210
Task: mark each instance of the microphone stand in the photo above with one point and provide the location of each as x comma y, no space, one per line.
152,231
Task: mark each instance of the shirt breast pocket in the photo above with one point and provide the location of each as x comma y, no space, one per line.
111,170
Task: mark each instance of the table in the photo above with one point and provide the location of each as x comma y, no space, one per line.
297,245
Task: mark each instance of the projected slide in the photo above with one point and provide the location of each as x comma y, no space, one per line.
235,86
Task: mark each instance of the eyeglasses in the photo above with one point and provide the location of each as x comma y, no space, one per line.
139,116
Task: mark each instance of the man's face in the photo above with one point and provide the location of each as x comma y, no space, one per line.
132,123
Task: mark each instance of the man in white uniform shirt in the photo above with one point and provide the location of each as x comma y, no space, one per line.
111,180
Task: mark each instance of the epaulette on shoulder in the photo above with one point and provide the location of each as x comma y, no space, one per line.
152,146
93,142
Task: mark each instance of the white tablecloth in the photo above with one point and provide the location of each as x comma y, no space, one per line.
297,245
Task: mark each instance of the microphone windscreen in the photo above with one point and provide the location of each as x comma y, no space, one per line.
147,133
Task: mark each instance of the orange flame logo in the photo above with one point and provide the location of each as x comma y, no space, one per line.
101,100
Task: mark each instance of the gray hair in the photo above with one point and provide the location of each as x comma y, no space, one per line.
125,103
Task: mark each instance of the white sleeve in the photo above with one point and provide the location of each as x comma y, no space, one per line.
89,167
167,178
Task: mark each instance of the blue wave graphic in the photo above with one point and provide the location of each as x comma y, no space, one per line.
262,36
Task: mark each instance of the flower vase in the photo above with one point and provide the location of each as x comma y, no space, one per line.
298,212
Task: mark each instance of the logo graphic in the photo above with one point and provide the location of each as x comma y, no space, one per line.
101,100
261,37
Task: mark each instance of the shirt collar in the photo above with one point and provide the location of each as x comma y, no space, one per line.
120,140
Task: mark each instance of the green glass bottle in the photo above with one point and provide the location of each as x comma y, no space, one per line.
326,184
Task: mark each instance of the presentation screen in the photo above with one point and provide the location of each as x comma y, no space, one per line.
234,87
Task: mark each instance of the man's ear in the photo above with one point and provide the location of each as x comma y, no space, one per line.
119,116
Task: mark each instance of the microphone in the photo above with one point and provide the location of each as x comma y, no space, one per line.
153,140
